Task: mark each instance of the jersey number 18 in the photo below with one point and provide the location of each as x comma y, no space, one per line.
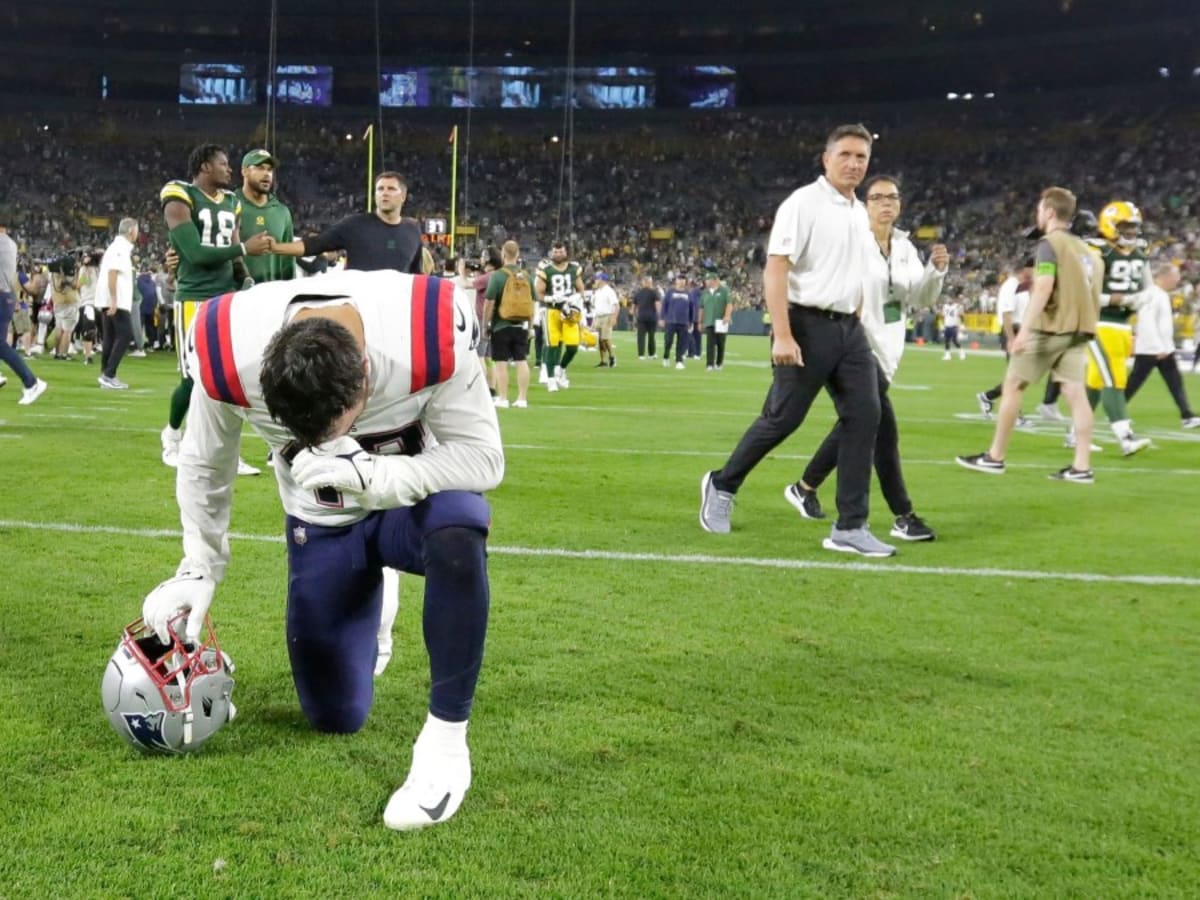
223,235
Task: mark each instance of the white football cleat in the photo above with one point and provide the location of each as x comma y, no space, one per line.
244,468
433,791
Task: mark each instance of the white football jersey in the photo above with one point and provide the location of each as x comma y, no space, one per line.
428,398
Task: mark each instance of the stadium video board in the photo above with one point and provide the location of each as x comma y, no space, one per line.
517,87
304,85
700,87
216,84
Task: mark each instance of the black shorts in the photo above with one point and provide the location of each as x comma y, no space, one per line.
510,345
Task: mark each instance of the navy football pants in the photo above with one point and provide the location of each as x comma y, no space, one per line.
334,601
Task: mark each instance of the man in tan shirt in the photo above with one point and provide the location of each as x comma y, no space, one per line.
1064,307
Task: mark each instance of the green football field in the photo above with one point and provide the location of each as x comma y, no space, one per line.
1010,711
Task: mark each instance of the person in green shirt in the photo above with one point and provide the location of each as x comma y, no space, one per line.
263,211
716,306
202,218
509,338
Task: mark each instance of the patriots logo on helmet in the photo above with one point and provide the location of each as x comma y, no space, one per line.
147,730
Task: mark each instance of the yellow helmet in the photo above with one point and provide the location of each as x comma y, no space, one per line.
1117,213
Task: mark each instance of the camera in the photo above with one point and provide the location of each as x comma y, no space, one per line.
63,265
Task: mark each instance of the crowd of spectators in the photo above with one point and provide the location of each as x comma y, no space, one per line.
970,174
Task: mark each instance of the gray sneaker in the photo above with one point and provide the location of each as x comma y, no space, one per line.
715,506
857,540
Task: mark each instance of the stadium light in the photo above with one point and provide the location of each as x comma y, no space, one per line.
968,96
952,96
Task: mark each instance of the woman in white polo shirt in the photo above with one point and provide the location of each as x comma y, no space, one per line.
813,282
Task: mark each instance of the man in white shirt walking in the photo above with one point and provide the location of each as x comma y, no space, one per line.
1154,342
605,303
114,302
813,283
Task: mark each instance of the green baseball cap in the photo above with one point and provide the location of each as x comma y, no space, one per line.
258,157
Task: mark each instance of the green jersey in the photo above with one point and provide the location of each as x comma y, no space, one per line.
275,219
1124,273
713,303
216,219
559,282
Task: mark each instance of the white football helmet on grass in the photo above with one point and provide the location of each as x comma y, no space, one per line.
167,697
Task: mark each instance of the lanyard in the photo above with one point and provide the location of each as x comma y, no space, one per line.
891,306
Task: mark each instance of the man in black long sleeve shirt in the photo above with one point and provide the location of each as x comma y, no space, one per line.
378,240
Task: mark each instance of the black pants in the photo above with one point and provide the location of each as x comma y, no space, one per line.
166,315
118,335
676,335
1144,364
714,347
837,357
148,331
887,455
950,333
645,337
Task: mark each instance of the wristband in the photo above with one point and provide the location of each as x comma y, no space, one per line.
242,244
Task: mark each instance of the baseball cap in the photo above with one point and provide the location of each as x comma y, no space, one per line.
258,157
602,276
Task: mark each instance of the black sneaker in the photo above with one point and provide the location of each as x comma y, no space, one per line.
981,462
912,527
985,404
806,502
1070,473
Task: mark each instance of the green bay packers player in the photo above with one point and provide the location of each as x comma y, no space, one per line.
203,219
559,288
1126,278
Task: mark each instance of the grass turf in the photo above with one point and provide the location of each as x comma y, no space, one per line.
1005,712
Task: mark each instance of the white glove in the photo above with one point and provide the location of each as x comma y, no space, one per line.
189,590
340,464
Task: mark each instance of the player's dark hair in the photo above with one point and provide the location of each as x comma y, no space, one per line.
201,155
890,179
558,244
845,131
396,175
311,374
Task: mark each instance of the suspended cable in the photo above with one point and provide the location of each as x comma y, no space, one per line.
272,60
570,137
378,85
566,161
466,213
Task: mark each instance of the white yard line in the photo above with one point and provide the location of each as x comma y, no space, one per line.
689,559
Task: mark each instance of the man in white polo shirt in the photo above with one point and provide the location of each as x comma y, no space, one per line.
813,282
114,302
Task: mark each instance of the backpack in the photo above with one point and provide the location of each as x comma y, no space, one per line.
516,302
